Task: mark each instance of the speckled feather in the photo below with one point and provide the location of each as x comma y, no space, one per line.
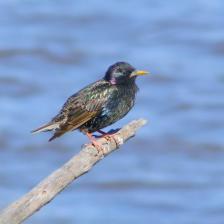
98,105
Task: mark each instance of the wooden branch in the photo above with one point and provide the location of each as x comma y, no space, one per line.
81,163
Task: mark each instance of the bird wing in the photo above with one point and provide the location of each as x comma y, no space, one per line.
80,108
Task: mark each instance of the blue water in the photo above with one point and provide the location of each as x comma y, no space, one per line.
172,171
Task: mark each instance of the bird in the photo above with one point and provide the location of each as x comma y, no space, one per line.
97,105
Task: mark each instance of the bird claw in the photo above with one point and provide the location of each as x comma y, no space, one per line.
110,137
99,147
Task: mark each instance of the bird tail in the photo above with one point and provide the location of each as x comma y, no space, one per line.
62,130
57,134
47,127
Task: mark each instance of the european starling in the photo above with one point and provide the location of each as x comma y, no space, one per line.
99,104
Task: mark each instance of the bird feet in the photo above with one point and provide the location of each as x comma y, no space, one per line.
99,147
109,137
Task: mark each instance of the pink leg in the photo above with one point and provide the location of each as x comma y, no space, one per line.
94,142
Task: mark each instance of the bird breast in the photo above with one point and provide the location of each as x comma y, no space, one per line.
120,102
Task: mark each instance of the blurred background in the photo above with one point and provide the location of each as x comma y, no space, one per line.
172,171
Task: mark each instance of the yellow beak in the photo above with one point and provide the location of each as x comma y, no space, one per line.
138,73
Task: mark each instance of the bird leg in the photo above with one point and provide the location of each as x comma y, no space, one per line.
108,136
96,144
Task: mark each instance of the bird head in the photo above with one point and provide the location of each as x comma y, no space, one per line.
121,73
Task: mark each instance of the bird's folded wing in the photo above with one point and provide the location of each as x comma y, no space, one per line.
77,117
74,121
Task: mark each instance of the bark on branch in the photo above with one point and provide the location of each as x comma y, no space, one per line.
52,185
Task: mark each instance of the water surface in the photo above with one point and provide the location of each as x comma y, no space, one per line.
171,172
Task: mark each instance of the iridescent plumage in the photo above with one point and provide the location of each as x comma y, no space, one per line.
99,104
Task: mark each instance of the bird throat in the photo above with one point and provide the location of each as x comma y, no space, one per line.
113,81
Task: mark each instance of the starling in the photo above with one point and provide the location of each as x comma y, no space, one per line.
99,104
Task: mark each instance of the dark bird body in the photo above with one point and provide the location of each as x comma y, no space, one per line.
99,104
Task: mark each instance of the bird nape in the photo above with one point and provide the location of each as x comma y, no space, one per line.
98,105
